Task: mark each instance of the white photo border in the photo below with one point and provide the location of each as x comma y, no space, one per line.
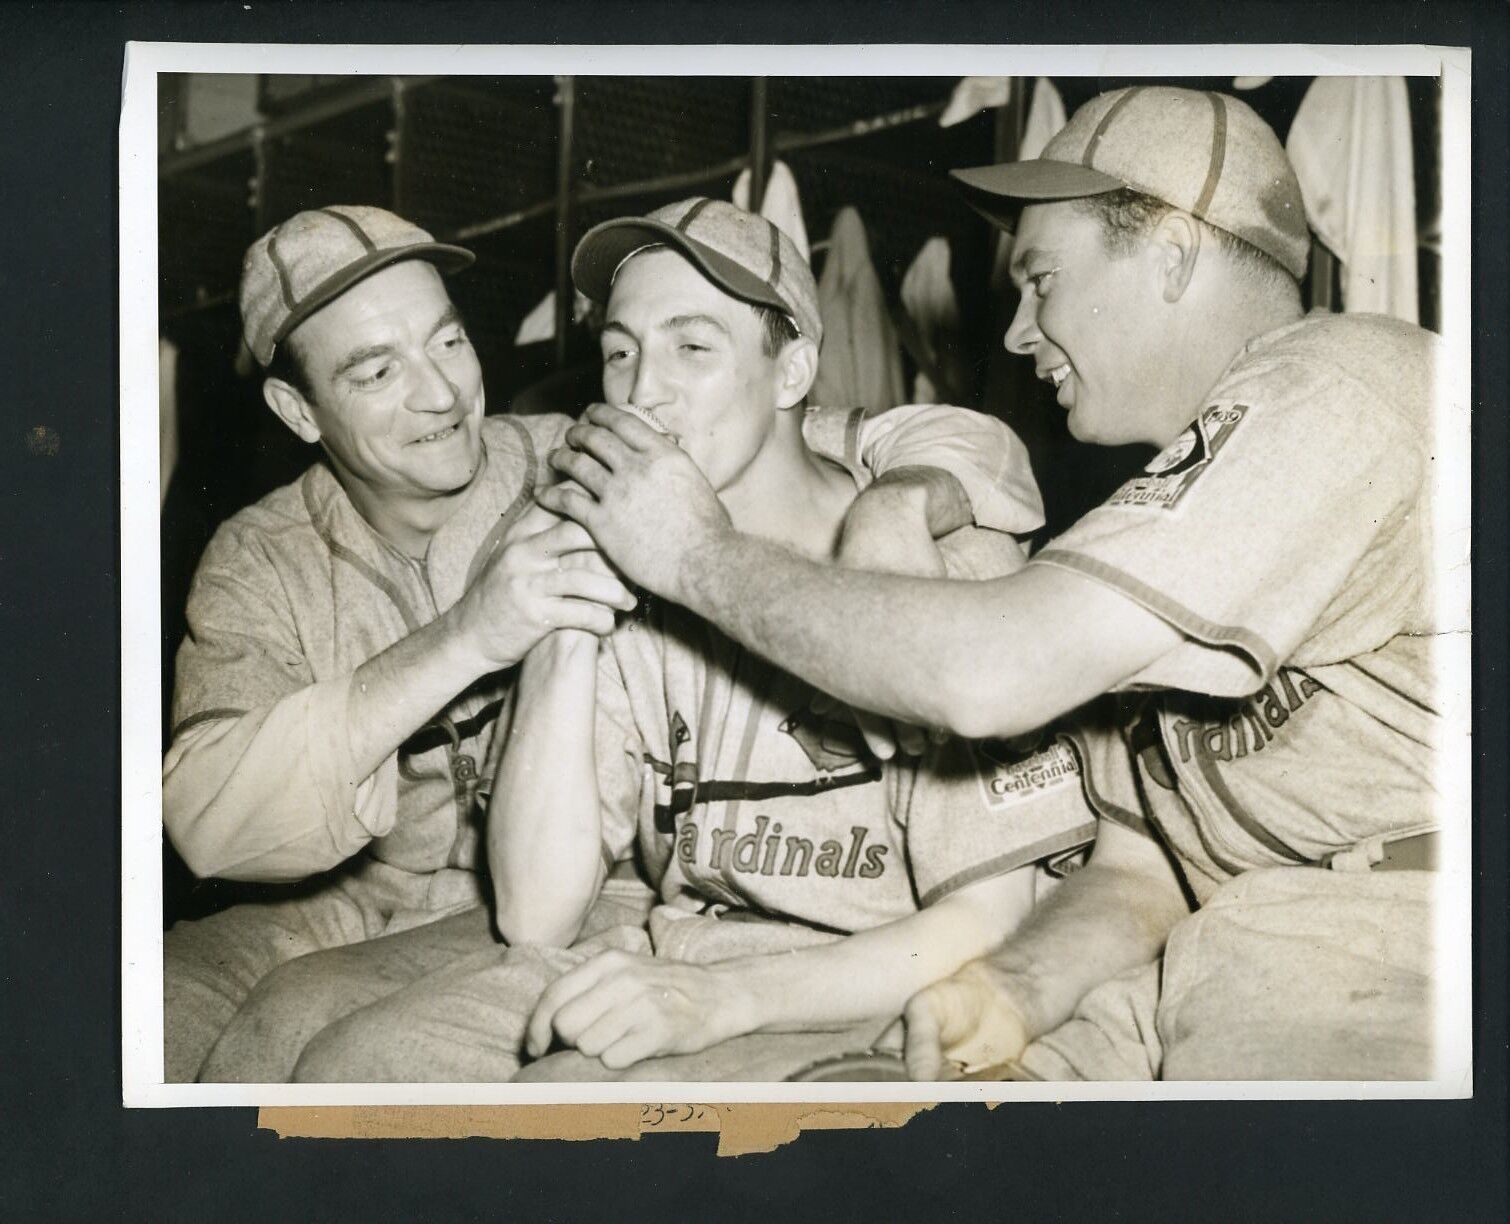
141,756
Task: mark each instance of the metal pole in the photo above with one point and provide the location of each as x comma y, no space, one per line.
566,123
760,157
1323,272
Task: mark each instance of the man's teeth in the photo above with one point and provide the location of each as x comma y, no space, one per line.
439,433
1059,373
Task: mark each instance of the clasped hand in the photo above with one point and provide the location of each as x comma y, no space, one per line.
547,576
643,499
622,1007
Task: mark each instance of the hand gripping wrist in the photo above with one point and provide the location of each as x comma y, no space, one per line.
998,1029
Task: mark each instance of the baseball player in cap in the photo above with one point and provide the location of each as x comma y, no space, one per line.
803,884
1256,603
350,635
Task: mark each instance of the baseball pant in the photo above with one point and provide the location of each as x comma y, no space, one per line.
1290,973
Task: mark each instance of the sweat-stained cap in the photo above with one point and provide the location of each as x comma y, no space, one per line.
742,253
315,256
1207,154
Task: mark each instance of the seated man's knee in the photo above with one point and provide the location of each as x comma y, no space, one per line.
283,1011
342,1052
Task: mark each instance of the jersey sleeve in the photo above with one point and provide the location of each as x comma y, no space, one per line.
977,810
988,460
258,781
982,809
1282,516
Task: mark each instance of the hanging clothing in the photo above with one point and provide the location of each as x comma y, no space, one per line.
973,95
1045,117
167,416
859,364
780,205
930,327
540,323
1046,113
1350,145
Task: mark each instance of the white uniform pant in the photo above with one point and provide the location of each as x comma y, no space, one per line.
1291,973
212,966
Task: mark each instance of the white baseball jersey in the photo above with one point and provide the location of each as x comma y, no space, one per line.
1286,534
295,592
713,768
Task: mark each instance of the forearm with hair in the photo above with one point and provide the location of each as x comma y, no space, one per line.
1105,919
395,692
991,658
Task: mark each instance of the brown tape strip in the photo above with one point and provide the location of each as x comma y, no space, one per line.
741,1129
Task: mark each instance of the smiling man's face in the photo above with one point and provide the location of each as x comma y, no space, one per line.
1094,324
395,386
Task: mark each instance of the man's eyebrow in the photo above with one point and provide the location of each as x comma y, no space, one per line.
1020,260
684,320
450,316
613,325
357,356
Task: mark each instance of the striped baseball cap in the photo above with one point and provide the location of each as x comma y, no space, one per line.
1207,154
744,254
315,256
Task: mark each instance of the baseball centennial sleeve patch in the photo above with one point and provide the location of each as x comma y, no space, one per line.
1179,465
1015,771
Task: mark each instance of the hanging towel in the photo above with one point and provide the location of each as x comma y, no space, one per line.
1350,145
781,205
540,323
1045,117
1045,112
859,364
973,95
167,416
930,326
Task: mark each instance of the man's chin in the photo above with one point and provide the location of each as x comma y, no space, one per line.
456,478
1081,429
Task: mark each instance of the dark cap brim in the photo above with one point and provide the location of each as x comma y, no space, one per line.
606,246
1040,179
999,193
444,256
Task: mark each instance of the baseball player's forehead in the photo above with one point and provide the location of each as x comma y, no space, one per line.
401,304
1049,232
660,289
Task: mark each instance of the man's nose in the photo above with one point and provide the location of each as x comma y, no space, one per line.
648,389
1022,335
432,391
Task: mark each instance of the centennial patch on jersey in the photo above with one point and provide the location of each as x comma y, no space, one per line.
1015,771
1179,465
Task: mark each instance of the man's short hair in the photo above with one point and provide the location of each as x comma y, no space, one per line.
776,329
1127,216
286,366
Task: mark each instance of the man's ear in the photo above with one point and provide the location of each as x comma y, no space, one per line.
1177,243
290,407
798,367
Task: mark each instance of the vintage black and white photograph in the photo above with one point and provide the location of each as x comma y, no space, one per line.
747,573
